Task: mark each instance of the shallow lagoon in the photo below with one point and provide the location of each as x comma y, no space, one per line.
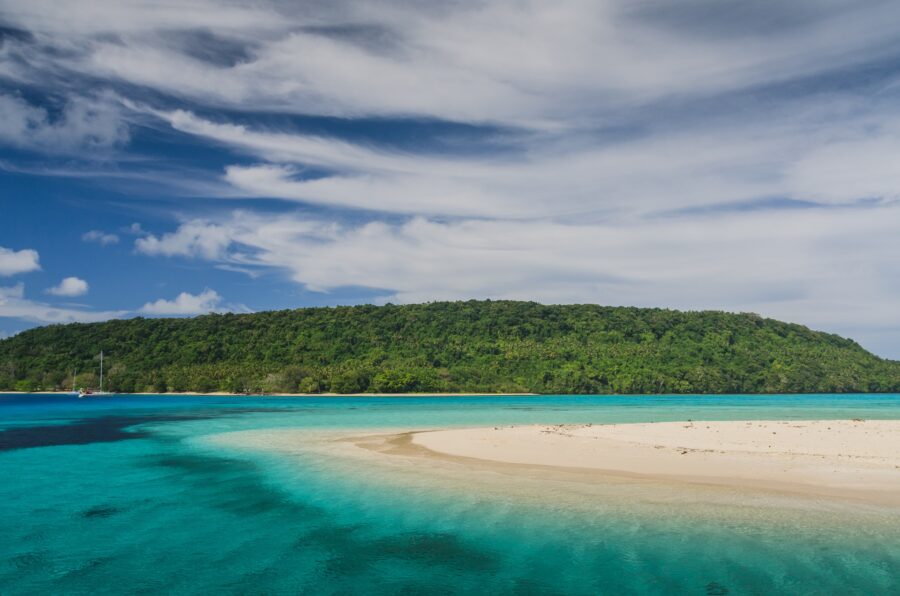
134,494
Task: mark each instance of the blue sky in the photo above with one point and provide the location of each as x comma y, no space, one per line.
171,159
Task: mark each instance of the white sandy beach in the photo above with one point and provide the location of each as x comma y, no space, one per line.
848,458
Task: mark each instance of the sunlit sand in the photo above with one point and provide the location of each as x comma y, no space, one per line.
848,458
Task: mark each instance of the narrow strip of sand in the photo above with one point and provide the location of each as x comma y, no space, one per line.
852,459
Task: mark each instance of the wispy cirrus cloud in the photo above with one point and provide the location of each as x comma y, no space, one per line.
566,73
836,152
526,64
82,123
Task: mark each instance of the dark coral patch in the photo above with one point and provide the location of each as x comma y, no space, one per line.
100,511
103,429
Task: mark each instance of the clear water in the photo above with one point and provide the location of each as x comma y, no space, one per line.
135,495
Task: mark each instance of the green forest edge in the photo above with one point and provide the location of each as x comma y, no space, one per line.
473,347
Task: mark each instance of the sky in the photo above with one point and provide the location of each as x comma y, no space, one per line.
163,158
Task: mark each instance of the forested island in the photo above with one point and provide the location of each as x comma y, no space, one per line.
474,346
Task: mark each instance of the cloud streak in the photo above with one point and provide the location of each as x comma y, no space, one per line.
525,64
836,152
82,123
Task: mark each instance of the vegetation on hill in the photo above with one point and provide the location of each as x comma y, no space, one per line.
475,346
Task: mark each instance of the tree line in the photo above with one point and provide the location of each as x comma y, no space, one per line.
474,346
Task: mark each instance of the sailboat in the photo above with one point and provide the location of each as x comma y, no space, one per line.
74,391
87,392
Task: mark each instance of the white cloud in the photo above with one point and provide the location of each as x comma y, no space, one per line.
101,238
523,63
13,304
70,286
575,69
194,239
16,292
394,194
778,153
13,262
499,61
83,123
857,164
185,304
569,73
85,17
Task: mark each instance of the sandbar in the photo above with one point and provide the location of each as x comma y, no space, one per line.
847,459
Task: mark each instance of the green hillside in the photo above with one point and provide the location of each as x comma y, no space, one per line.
476,346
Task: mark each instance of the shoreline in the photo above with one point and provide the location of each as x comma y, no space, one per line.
252,395
849,460
813,465
451,394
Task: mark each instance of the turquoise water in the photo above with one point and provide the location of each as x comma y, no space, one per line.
134,494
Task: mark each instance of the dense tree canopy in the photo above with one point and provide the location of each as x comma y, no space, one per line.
475,346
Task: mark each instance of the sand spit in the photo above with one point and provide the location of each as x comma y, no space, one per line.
850,459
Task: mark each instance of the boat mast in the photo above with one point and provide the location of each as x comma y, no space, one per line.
101,371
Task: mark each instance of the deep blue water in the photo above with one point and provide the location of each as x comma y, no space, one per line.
135,495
